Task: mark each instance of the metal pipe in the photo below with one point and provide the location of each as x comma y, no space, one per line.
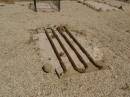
82,49
67,54
56,51
72,47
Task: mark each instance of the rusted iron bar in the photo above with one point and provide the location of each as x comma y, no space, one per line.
67,54
81,47
56,51
72,47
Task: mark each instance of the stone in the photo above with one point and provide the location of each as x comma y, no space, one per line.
47,67
61,54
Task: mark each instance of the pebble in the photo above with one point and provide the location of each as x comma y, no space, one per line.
47,68
61,53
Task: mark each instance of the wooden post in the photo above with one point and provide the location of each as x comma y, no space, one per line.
35,6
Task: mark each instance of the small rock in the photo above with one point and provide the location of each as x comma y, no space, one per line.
128,31
115,76
61,54
39,93
125,87
49,58
47,68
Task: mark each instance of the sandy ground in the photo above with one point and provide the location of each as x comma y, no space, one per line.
20,68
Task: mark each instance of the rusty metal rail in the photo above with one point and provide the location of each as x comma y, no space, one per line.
81,47
67,54
62,31
56,51
72,47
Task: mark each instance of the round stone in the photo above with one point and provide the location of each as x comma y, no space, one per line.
47,68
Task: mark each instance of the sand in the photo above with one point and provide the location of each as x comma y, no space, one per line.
21,72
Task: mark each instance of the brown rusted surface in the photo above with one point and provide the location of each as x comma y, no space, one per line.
72,47
56,51
82,48
67,54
